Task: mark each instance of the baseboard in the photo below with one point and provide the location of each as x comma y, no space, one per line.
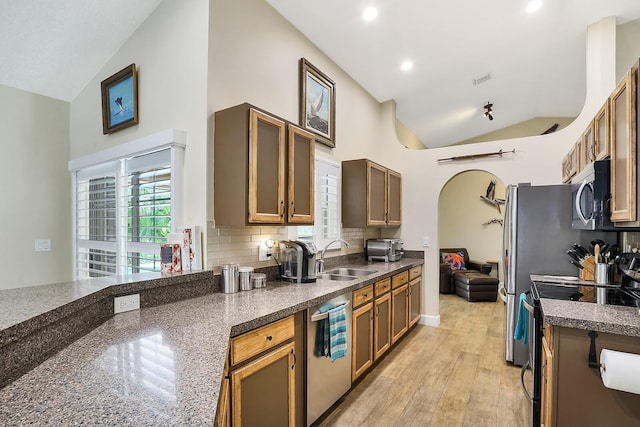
429,320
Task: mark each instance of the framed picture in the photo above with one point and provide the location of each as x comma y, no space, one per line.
120,100
317,103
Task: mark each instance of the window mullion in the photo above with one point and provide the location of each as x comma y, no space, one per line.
122,217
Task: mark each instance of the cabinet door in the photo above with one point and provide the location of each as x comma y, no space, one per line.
362,340
263,391
546,397
573,161
415,295
623,150
399,312
382,325
301,176
266,168
376,194
601,132
587,143
394,198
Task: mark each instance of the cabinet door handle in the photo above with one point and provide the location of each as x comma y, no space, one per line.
377,311
293,208
281,208
294,360
269,337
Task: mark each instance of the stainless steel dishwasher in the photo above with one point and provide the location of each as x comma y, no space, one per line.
326,381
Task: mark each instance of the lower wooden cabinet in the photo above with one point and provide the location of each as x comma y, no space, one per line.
415,298
399,312
362,342
381,325
546,396
263,391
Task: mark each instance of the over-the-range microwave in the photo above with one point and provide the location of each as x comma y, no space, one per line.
591,197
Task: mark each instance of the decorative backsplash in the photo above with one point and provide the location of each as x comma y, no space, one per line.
240,244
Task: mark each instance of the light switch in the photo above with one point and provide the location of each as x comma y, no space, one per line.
426,242
43,245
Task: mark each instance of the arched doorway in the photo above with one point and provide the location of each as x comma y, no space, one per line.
465,219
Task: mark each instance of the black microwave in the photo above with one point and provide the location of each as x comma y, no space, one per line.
591,197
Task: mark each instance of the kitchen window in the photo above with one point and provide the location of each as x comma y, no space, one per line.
123,210
327,224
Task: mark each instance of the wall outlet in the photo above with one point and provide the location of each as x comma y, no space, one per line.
264,253
126,303
42,245
426,242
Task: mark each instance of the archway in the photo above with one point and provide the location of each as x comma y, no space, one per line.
467,217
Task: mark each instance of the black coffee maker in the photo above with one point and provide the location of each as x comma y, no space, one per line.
298,261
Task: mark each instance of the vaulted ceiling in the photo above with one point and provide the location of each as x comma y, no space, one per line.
536,62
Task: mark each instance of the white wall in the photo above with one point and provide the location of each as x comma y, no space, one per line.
170,51
36,188
462,213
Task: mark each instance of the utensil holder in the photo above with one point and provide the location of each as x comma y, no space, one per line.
588,268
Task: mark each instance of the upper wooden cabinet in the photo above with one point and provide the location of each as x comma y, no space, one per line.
263,169
622,103
569,165
371,195
601,132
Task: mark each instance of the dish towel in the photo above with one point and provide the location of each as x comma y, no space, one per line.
337,332
522,325
321,344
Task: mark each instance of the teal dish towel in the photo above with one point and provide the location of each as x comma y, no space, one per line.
321,344
337,332
522,325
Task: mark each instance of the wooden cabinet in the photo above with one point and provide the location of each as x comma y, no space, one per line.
371,195
259,177
588,149
601,132
570,165
362,335
262,376
399,312
382,318
415,296
623,149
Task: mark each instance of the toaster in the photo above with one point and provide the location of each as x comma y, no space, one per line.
386,250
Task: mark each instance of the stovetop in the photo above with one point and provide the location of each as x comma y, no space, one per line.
615,295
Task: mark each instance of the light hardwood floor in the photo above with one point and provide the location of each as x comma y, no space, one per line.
452,375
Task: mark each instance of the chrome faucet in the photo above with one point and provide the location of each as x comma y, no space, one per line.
320,261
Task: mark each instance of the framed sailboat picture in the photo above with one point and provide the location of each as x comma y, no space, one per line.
317,103
120,100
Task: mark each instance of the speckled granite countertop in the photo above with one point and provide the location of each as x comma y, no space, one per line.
587,315
159,365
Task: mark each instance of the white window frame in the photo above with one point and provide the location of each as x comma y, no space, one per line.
321,165
111,161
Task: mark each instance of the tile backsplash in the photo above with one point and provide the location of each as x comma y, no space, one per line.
240,244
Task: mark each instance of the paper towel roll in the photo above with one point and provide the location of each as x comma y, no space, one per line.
620,371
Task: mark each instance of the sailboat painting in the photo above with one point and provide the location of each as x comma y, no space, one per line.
317,103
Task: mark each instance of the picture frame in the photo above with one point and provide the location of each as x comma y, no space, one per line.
317,103
120,100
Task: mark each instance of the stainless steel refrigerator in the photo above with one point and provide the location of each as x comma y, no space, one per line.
536,233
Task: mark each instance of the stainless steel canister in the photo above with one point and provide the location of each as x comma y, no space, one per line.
601,278
245,278
259,280
230,283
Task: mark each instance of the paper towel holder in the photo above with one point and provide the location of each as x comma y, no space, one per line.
593,359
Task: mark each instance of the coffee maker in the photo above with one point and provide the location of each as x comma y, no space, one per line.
298,261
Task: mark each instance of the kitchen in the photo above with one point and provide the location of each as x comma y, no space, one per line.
234,83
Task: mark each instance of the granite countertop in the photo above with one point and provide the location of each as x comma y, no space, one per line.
587,315
160,365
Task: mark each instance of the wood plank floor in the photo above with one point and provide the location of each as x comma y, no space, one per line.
452,375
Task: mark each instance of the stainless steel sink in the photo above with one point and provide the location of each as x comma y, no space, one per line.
351,271
340,277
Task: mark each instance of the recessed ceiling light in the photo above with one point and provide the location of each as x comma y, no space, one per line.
370,13
406,66
533,6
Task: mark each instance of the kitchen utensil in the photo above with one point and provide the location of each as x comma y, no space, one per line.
576,264
596,253
580,250
574,256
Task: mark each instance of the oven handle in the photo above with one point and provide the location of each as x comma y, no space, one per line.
503,293
577,201
524,387
528,306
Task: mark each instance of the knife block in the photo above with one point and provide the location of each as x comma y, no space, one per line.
588,270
